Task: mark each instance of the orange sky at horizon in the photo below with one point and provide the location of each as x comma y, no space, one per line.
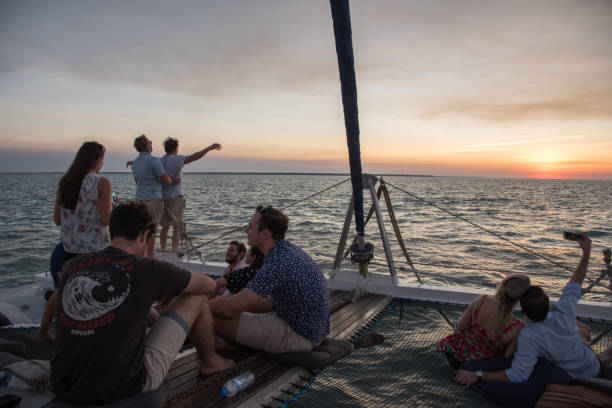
337,162
476,88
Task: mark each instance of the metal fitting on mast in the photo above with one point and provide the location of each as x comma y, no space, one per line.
362,253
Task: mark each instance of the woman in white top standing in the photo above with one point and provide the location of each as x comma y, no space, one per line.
83,205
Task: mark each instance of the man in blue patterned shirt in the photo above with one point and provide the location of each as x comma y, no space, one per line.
285,307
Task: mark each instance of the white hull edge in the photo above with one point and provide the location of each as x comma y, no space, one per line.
381,284
453,295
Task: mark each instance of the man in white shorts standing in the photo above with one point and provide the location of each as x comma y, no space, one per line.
285,307
172,195
149,174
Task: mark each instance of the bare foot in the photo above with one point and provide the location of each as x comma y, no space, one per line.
215,364
222,345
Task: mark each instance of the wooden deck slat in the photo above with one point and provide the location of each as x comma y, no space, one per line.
348,317
288,384
208,395
337,301
348,312
365,318
188,390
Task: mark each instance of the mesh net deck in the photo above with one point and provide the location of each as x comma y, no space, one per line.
405,369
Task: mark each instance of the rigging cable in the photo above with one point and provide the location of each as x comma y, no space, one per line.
282,209
492,233
482,228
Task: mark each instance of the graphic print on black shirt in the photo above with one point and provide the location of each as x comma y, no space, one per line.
103,305
90,296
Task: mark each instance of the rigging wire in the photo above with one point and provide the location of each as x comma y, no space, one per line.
315,194
500,272
232,230
482,228
282,209
524,248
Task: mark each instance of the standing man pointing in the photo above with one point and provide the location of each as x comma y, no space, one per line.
174,201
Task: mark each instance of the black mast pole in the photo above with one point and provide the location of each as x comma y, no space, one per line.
346,65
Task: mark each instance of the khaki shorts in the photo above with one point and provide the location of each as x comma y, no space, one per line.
155,208
268,332
162,344
175,205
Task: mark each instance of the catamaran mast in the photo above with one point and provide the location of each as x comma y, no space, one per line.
346,65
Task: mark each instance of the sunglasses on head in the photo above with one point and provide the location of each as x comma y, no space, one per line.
263,210
266,214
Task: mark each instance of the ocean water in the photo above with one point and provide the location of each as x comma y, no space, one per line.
448,250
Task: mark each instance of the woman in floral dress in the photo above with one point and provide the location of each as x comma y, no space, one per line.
487,327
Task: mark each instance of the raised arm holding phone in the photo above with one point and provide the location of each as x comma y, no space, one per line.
549,349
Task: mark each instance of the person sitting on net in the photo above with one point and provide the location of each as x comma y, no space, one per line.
487,328
237,280
549,348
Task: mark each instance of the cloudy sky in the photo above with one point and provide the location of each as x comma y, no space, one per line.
473,87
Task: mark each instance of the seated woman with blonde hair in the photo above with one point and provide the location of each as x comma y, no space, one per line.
487,328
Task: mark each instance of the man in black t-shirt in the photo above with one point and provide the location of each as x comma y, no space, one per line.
103,352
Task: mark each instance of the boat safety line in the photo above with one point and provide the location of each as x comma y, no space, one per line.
315,194
483,228
466,280
500,272
282,209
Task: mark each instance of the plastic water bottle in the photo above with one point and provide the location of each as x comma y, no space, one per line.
237,384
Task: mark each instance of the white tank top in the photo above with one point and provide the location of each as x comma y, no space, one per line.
81,229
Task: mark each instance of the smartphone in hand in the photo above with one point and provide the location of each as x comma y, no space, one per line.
572,236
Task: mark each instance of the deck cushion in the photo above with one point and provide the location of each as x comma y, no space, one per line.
596,383
570,396
327,353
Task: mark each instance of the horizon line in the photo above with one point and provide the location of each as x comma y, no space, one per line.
265,173
288,173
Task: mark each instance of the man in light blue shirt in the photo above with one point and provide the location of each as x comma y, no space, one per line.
549,349
172,194
149,175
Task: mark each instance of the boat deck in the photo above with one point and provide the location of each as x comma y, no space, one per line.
405,370
274,382
402,370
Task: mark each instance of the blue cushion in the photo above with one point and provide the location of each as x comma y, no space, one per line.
327,353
